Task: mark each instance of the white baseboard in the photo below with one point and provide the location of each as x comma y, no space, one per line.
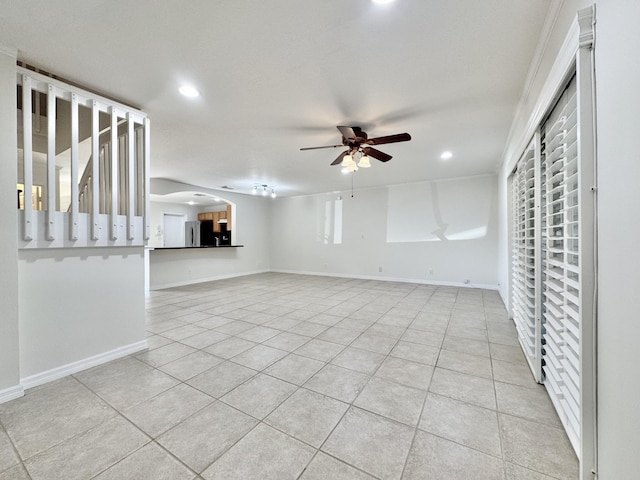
74,367
11,393
392,279
206,279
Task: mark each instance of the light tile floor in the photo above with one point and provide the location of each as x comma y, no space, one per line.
278,376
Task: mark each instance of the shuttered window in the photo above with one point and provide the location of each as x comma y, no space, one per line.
523,258
558,333
561,315
546,258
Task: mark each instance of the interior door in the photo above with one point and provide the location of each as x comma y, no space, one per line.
173,225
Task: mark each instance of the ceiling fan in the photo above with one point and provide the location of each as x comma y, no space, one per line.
358,141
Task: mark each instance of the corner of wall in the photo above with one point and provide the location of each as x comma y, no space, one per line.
9,326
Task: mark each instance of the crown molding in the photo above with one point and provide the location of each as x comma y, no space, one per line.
11,51
581,30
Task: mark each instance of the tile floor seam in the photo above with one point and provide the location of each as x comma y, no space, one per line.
170,453
259,422
119,461
270,411
500,431
351,405
14,449
343,462
130,406
416,428
118,414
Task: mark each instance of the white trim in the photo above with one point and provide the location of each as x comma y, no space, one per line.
85,97
205,279
74,367
10,51
556,78
541,49
392,279
11,393
328,274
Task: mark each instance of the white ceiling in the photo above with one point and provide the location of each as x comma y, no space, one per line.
278,75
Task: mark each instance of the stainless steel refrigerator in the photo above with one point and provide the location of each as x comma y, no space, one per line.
192,234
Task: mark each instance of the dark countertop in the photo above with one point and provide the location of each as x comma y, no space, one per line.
195,248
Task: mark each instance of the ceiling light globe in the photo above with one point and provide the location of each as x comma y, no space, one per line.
347,161
364,162
273,194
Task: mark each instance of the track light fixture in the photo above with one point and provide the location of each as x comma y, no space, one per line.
264,190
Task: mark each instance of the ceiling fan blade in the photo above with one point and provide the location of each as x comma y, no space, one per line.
377,154
400,137
327,146
347,132
338,160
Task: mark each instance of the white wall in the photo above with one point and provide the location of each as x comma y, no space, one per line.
439,232
76,303
251,226
9,348
618,102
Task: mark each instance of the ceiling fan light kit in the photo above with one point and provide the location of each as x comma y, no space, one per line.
357,143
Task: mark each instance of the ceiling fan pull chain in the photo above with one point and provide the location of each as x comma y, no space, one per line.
353,174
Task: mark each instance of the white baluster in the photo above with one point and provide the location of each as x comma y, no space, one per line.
131,165
50,214
147,186
27,158
95,170
114,175
75,201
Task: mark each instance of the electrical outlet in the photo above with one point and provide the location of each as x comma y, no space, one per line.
380,269
467,281
431,271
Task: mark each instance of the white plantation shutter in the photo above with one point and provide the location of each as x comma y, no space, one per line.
558,335
561,300
523,250
548,303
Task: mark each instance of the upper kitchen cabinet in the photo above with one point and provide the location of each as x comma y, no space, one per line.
218,218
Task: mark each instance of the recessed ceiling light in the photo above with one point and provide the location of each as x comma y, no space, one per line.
446,155
191,202
189,91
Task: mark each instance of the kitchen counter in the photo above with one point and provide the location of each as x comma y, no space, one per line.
175,266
